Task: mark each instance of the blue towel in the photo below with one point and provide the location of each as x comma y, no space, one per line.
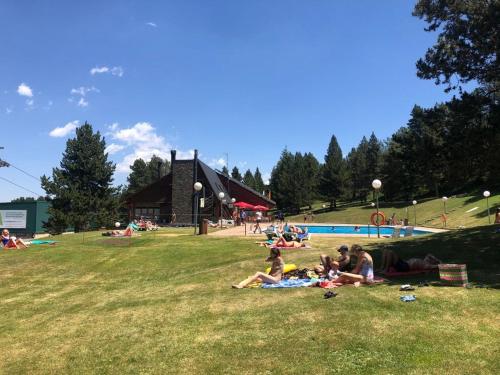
286,283
408,298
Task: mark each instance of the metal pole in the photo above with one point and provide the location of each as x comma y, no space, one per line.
220,213
488,206
195,211
415,212
378,217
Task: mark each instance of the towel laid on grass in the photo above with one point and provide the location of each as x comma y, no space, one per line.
327,284
288,283
291,247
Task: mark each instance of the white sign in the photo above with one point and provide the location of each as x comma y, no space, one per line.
13,218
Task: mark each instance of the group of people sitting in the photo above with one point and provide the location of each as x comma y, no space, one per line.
341,271
9,241
145,224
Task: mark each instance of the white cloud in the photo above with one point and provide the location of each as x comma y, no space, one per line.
143,142
82,90
24,90
8,111
114,126
82,103
217,163
266,177
113,148
64,130
99,70
115,70
152,24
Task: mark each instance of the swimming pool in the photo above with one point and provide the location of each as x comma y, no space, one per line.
363,229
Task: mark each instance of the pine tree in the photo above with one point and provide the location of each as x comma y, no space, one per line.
225,171
259,183
248,179
80,190
235,173
332,179
139,177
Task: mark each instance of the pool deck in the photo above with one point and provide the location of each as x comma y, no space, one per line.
239,231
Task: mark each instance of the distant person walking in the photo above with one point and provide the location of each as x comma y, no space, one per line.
258,219
243,216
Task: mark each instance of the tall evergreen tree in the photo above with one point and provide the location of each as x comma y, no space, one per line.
283,182
157,168
373,159
248,179
332,179
225,171
259,183
311,178
139,177
80,189
235,173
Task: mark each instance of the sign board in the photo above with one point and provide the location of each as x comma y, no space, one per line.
202,202
13,218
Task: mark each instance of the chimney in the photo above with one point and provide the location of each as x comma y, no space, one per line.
172,159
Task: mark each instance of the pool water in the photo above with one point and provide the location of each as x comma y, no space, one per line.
350,229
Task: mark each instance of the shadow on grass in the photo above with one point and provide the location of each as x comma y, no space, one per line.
476,247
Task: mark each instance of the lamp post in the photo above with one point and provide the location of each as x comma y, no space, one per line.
444,199
221,197
415,211
377,184
486,194
197,188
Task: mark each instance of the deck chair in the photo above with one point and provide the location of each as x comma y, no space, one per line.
409,231
396,232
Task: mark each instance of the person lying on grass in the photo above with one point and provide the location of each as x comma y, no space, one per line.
274,276
362,273
284,243
344,262
391,260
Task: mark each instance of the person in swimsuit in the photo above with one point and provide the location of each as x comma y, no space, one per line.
274,276
284,243
5,237
497,216
362,273
391,260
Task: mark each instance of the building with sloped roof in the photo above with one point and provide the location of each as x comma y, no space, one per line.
171,199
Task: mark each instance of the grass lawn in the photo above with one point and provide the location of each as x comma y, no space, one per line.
163,304
428,212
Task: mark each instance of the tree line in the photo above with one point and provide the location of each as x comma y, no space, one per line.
449,148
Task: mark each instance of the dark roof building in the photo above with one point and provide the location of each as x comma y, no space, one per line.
172,197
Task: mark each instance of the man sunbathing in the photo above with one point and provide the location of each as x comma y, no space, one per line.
391,260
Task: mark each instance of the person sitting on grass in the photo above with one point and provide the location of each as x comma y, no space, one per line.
497,216
343,263
390,260
274,276
362,273
6,238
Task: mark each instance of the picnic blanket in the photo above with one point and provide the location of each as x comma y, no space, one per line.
291,247
291,283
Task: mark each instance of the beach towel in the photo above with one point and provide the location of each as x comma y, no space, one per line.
43,242
290,247
288,283
327,284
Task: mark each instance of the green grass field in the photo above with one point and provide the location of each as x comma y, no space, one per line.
428,212
163,304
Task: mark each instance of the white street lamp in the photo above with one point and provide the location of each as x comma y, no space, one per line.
221,197
372,204
487,194
377,184
415,211
197,186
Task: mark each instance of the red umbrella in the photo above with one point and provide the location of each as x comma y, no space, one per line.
243,205
260,208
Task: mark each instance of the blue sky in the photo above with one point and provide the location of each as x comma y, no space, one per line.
246,78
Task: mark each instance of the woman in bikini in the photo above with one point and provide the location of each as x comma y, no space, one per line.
362,273
274,276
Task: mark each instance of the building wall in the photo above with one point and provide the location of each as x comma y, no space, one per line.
36,214
182,190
